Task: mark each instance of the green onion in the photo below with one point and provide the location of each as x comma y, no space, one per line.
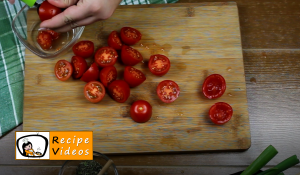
261,160
287,163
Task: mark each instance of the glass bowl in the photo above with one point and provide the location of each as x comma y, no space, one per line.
70,166
29,15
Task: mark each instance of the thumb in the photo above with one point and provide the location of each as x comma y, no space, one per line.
62,3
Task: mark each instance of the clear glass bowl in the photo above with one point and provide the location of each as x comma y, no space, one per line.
29,15
70,166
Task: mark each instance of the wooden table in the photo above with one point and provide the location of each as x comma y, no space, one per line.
271,39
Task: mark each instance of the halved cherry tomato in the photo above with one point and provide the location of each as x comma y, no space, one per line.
220,113
141,111
130,36
108,75
83,49
214,86
79,65
47,11
54,34
44,39
130,56
94,91
133,76
119,90
92,74
63,70
114,40
106,56
159,64
168,91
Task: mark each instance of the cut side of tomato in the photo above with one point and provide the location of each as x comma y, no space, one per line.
214,86
168,91
130,36
133,76
54,34
79,66
94,91
108,75
83,49
47,11
63,70
119,90
159,64
130,56
44,39
106,56
114,40
141,111
220,113
92,74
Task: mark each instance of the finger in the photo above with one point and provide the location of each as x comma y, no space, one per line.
11,1
73,25
71,14
62,3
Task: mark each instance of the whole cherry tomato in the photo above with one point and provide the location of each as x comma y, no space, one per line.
141,111
47,11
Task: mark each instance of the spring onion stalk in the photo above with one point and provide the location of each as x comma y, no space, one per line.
261,160
287,163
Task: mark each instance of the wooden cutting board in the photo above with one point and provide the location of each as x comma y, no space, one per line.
200,39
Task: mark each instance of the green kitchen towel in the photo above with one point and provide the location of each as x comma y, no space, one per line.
12,63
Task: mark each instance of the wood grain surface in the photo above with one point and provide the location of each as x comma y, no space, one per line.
270,39
200,39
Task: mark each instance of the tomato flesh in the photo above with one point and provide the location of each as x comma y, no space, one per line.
141,111
92,74
44,39
220,113
159,64
54,34
83,49
133,76
168,91
106,56
108,75
114,40
130,56
130,36
63,70
214,86
94,91
79,66
47,11
119,90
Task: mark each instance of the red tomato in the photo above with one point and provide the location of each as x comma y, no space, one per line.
214,86
106,56
79,65
168,91
130,36
92,74
83,49
141,111
133,76
119,90
47,11
54,34
44,39
220,113
108,75
63,70
114,40
130,56
94,91
159,65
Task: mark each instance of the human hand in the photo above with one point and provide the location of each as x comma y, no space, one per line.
11,1
79,13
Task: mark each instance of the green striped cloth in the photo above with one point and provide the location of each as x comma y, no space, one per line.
12,63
